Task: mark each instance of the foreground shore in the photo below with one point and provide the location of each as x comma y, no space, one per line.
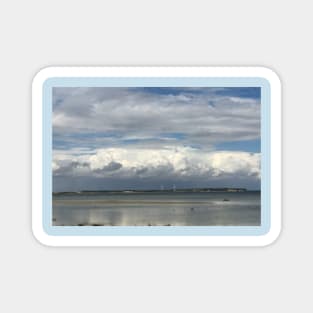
159,209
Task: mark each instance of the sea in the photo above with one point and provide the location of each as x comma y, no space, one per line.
157,208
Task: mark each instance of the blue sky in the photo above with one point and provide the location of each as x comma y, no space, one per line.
123,138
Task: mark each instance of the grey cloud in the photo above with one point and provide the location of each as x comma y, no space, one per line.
69,168
125,113
141,171
78,164
112,166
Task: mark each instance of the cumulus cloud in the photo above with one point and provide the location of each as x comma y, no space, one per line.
179,162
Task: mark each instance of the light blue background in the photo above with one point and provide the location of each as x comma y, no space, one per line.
156,230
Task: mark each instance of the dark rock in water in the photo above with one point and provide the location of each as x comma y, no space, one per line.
96,225
226,200
80,224
149,224
168,225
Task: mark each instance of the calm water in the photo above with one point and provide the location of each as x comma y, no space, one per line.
157,209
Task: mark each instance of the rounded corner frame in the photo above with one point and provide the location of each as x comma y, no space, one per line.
48,74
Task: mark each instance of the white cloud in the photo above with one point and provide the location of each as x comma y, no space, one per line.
177,161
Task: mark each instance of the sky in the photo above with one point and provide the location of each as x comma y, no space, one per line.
116,138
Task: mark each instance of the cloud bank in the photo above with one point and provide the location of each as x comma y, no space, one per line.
112,138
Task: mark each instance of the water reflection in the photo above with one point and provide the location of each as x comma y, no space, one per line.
171,209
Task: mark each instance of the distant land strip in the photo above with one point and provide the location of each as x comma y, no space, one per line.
157,191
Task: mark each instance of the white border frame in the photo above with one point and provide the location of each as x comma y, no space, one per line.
275,162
